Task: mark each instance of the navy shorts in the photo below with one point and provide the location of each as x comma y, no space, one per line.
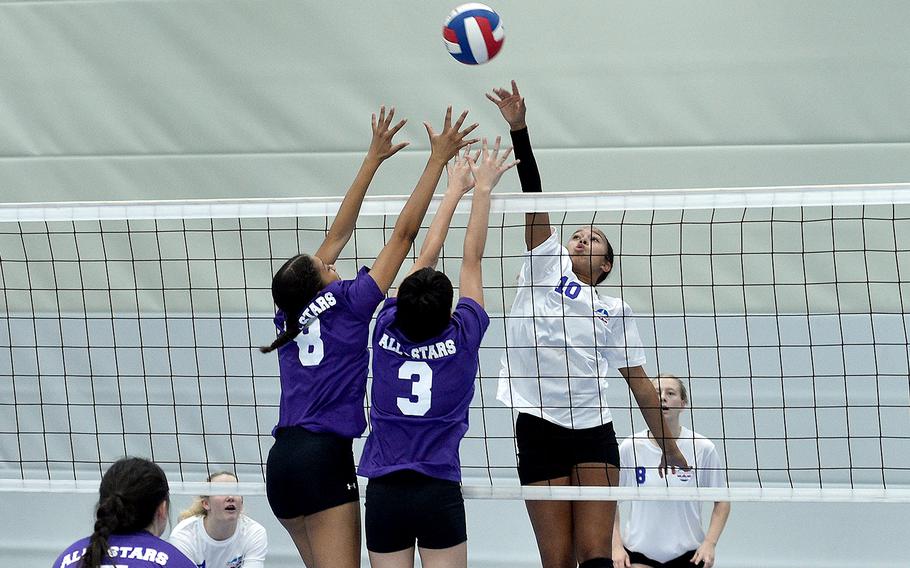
308,472
407,507
549,451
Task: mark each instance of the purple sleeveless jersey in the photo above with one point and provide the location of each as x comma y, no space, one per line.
137,550
324,370
421,394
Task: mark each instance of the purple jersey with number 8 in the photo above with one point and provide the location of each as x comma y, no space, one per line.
324,370
421,394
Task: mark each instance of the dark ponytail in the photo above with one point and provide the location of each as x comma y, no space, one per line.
131,491
293,287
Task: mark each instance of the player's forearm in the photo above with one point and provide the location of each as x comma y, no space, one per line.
719,516
646,397
439,228
343,226
476,235
617,532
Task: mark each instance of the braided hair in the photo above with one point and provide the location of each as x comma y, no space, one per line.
293,287
131,491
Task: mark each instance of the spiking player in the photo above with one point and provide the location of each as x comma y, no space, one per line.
323,359
562,338
425,360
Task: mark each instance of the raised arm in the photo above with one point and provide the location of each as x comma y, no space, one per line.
381,147
443,147
649,404
512,106
460,181
487,173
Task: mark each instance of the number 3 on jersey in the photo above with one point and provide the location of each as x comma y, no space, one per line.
421,376
309,345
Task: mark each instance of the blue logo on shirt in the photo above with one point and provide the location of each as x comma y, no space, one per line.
640,475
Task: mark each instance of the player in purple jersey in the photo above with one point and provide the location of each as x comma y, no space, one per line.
425,360
323,358
132,513
561,336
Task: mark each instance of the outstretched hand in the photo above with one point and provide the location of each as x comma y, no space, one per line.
381,146
459,174
445,145
490,166
511,105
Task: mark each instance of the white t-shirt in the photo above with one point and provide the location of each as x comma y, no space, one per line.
663,530
245,549
561,340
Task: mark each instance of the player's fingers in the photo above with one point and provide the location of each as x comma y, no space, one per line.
430,130
373,121
489,96
468,130
397,147
398,126
496,148
515,88
448,121
460,120
382,114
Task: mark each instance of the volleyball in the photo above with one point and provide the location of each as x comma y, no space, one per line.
473,33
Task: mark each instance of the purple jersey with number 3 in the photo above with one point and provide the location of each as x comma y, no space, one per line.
324,370
137,550
421,394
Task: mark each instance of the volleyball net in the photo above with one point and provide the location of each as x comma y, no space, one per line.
131,329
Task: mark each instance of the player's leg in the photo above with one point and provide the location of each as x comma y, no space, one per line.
297,529
388,524
590,517
312,489
596,455
552,524
441,526
452,557
334,536
543,460
400,559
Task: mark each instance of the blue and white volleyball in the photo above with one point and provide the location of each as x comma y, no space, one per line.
473,33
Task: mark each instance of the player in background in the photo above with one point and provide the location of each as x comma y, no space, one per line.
323,324
214,532
131,515
669,534
425,360
562,338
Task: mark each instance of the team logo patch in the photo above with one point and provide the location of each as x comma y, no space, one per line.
602,314
235,562
684,475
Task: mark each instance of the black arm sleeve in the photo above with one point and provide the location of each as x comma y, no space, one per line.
528,173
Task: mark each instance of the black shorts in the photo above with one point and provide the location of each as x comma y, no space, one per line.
308,472
548,451
405,507
681,561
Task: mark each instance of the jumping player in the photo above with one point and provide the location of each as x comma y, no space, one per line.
563,337
323,358
425,360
